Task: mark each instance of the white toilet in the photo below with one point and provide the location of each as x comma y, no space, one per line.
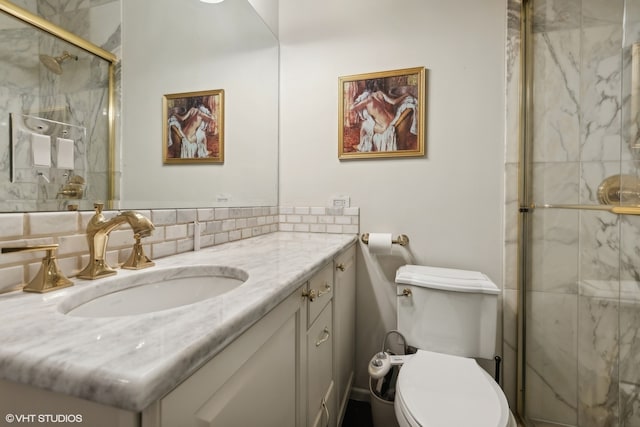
450,316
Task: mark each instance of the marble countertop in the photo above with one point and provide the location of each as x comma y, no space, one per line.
132,361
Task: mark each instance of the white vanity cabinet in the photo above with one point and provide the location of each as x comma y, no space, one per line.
292,368
331,340
344,316
255,381
320,343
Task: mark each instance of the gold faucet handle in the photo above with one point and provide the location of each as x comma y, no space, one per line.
34,248
98,206
49,277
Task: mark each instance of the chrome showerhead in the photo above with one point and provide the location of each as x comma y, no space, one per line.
55,64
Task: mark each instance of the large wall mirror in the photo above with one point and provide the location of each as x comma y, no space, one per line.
165,47
56,110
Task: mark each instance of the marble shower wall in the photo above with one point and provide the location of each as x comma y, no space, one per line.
78,96
583,287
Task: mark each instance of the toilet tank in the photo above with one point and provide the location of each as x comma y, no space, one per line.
447,310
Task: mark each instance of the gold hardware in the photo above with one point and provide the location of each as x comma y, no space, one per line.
619,210
49,278
406,292
340,267
402,240
619,189
327,289
138,260
98,231
73,188
311,294
326,336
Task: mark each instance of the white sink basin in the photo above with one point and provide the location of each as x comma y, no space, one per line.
152,290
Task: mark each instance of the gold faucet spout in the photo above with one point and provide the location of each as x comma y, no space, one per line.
98,231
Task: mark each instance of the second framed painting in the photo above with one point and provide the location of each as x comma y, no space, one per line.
381,114
193,129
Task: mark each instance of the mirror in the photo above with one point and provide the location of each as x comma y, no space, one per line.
55,114
173,47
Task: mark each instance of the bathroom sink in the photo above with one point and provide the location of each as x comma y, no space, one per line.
152,290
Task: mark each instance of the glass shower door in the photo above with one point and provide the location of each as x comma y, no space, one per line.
581,306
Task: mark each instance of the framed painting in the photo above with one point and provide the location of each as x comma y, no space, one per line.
382,114
193,127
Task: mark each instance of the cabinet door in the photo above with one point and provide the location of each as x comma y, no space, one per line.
345,325
320,365
254,381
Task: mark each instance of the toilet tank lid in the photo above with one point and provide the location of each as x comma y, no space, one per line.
446,279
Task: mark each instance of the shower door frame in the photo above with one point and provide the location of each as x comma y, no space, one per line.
526,205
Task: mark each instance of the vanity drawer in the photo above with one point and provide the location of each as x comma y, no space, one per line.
320,292
320,364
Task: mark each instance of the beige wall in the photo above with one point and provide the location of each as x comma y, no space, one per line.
449,202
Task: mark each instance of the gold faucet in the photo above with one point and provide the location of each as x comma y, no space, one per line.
98,231
49,277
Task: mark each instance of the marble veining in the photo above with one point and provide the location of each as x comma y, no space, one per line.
131,361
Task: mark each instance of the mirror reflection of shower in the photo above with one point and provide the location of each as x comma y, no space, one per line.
54,64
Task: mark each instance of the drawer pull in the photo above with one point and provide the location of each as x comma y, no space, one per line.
340,267
326,410
310,294
327,289
326,336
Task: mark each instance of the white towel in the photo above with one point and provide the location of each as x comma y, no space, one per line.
65,153
41,149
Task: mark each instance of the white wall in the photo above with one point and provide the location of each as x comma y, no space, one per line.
449,202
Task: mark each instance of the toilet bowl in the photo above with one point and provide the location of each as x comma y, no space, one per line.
437,390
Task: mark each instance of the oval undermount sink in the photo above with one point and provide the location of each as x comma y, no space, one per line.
153,290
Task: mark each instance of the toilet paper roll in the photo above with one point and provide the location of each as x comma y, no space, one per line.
380,243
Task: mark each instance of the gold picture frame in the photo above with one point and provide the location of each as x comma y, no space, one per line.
382,114
193,127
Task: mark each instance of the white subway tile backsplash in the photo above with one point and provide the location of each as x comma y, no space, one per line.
186,215
76,243
221,213
11,225
318,211
52,223
332,228
205,214
220,238
173,233
304,228
164,217
294,218
343,220
301,211
310,219
185,245
11,277
159,250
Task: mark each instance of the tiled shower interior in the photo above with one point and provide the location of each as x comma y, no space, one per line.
582,291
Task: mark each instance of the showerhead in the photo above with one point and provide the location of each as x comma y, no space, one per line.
55,64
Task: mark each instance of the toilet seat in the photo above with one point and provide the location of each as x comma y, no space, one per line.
440,390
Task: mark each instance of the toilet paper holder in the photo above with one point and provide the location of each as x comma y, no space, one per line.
402,240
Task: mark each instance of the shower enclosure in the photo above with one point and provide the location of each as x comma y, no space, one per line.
580,241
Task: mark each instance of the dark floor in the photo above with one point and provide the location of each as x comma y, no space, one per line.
358,414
